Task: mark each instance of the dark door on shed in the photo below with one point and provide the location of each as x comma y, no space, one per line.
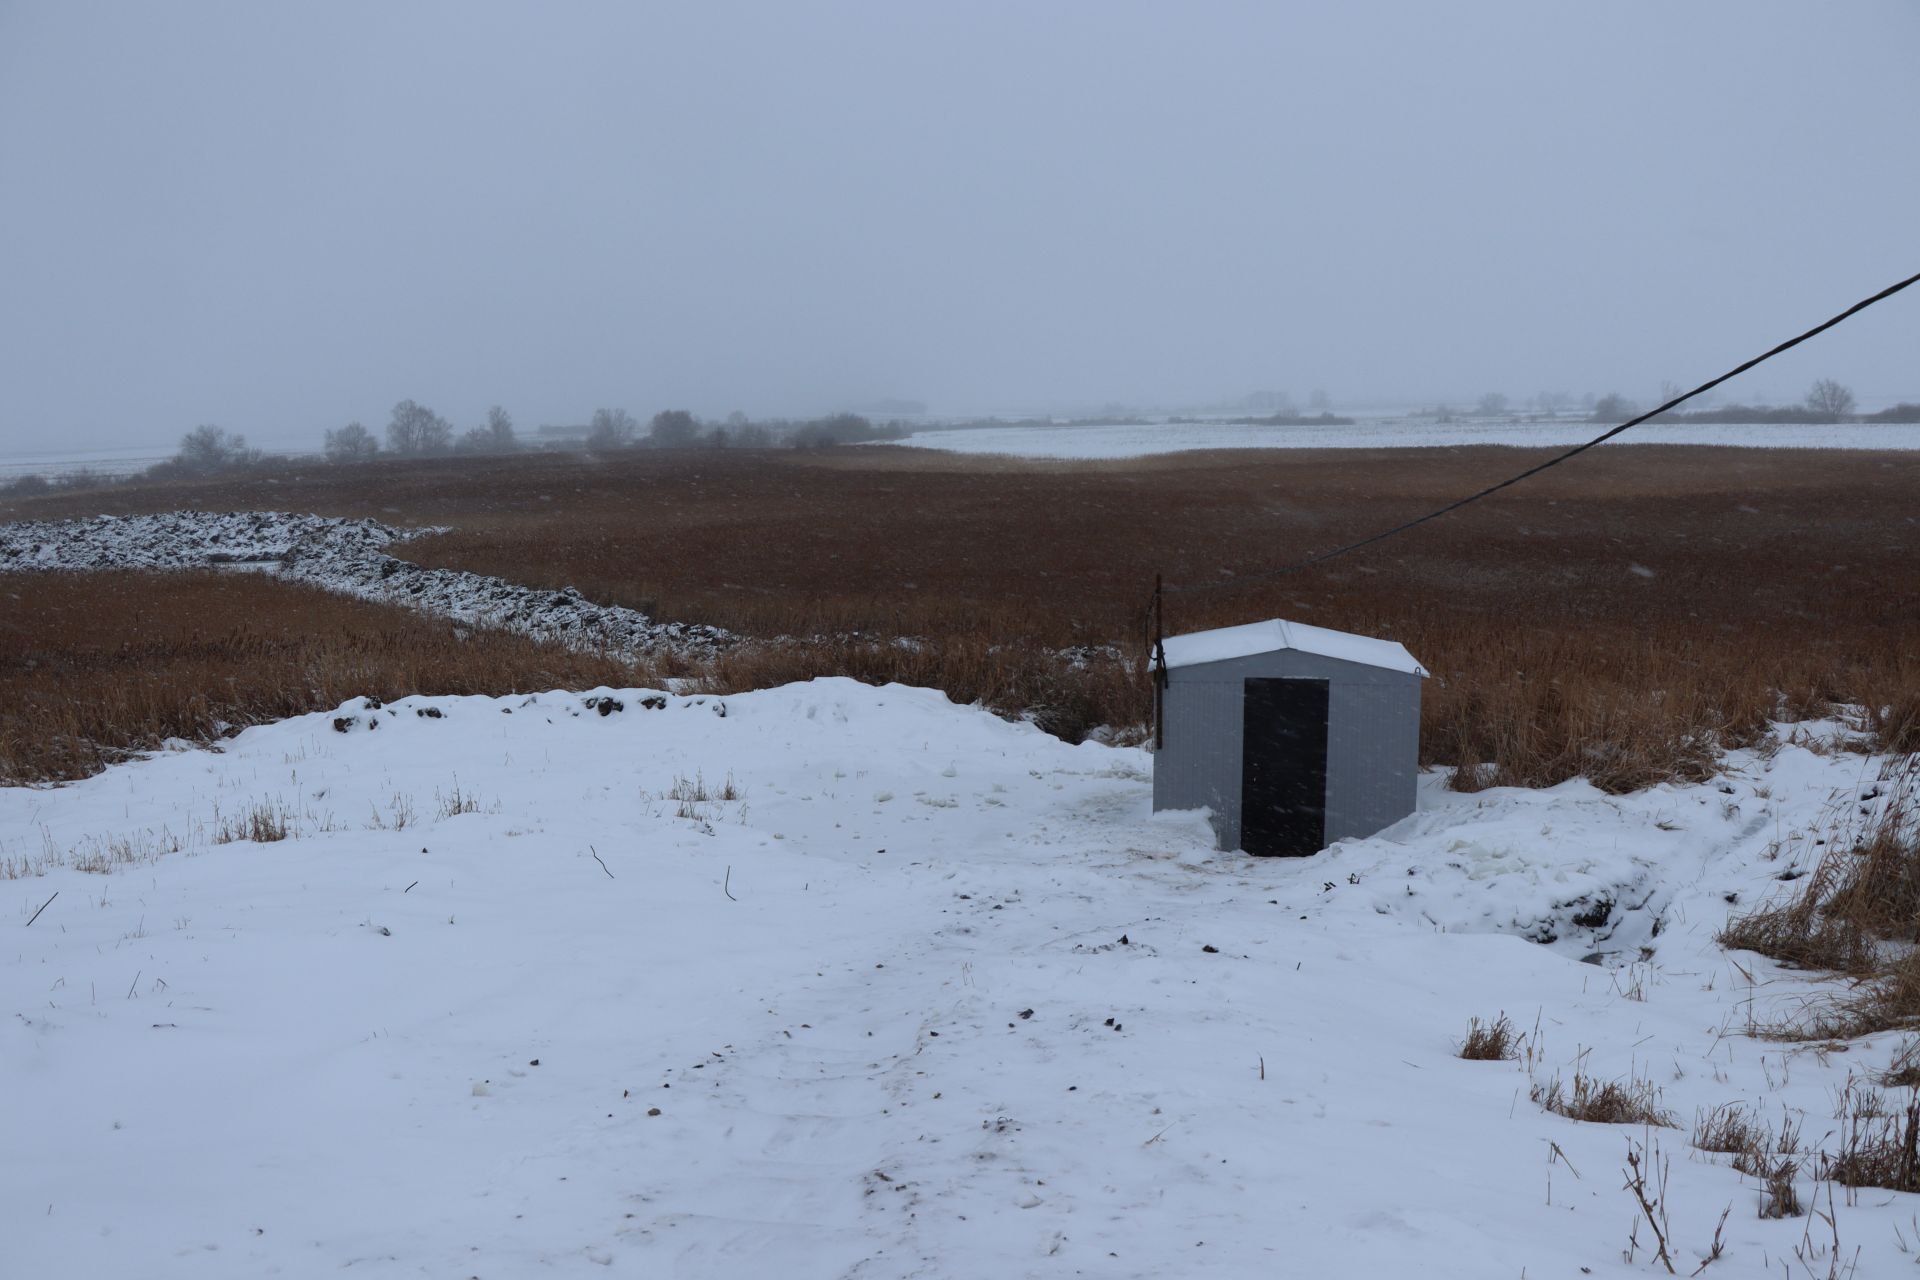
1283,768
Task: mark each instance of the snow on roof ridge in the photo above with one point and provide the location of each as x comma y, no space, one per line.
1224,644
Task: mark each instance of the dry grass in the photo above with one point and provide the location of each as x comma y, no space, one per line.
96,855
95,668
1857,912
1494,1041
1634,1100
1624,617
1904,1071
1779,1192
263,822
455,802
1895,725
1878,1147
1730,1130
1770,1156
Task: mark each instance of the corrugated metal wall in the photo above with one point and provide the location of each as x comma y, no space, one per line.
1373,740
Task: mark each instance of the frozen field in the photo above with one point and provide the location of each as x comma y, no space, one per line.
1139,441
530,989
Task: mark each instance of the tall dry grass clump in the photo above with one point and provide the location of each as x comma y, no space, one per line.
1772,1157
1494,1041
1856,912
97,667
1894,720
1633,1100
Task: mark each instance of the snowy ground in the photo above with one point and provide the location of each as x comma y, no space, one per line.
347,556
1071,441
936,995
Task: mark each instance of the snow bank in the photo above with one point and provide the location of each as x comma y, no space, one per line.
345,556
933,994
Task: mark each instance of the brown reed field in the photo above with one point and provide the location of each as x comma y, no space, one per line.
96,667
1623,617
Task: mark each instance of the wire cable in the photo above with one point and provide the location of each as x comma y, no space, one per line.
1600,439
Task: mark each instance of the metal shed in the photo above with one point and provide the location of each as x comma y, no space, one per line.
1294,736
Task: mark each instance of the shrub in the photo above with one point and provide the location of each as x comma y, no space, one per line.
26,486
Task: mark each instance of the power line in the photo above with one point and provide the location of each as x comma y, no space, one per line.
1600,439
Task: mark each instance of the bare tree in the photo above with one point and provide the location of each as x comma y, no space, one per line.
1492,405
1613,407
351,443
416,430
1830,399
500,430
673,429
611,429
749,435
208,448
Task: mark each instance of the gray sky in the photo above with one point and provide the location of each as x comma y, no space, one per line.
282,217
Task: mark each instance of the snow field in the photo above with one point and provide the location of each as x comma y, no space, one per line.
958,1017
1138,441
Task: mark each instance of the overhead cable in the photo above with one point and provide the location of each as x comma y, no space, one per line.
1555,461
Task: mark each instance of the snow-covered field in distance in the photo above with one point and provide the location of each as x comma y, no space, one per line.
933,995
118,461
1098,441
54,462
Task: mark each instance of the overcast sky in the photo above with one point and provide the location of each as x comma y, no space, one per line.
281,217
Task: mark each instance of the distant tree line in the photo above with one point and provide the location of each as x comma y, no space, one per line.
416,431
1827,402
615,429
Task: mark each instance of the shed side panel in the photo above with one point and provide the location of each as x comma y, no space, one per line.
1373,751
1198,763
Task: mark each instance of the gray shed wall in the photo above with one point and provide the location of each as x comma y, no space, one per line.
1373,740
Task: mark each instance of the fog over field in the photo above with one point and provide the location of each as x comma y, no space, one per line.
281,219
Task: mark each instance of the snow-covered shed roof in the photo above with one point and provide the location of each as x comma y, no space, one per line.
1227,643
